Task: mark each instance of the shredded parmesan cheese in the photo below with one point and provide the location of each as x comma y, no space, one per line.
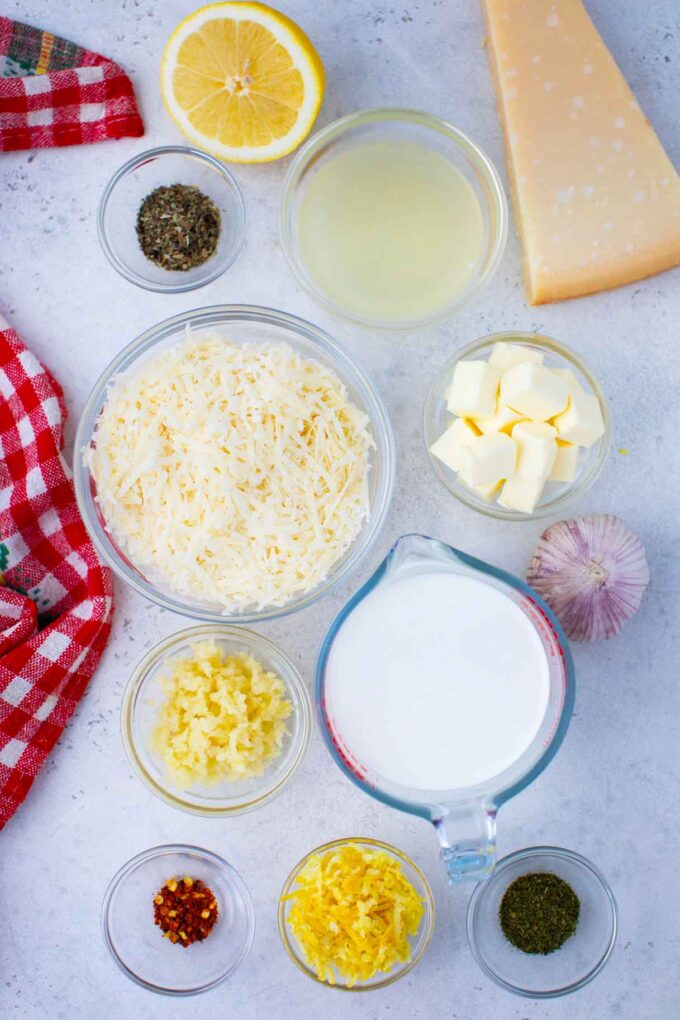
223,717
234,474
352,913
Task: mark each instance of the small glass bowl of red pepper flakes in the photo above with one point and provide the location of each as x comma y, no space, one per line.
217,944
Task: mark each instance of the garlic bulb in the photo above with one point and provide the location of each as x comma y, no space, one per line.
592,572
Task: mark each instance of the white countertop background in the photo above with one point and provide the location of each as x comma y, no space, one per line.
612,793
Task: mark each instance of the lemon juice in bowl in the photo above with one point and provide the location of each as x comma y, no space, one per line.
392,218
390,229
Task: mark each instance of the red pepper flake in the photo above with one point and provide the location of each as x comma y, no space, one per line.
185,910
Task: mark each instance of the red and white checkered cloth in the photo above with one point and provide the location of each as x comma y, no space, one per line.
54,92
56,598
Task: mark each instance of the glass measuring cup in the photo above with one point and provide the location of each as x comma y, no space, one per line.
465,819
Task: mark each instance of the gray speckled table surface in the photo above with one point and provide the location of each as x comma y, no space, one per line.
612,792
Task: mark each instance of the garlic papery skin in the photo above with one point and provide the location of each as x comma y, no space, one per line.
592,572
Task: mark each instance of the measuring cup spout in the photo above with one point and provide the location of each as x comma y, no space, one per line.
468,840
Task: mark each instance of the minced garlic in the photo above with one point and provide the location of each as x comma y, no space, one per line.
352,913
223,717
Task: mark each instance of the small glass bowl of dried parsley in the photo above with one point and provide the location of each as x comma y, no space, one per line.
172,219
178,919
544,923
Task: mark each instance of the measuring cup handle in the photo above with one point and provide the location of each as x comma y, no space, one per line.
468,840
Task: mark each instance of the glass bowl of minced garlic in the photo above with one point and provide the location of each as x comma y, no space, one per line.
216,720
516,426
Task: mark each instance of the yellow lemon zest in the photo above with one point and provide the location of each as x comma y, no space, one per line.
353,912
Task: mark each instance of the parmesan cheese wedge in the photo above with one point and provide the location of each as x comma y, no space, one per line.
596,199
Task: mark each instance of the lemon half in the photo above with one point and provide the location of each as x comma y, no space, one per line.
242,81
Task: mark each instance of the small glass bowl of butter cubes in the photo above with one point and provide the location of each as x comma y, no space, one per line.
516,426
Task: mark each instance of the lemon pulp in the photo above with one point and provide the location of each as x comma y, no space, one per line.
242,81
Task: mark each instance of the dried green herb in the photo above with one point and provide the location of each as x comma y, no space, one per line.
178,226
539,912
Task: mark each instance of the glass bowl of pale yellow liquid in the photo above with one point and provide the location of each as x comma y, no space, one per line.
392,218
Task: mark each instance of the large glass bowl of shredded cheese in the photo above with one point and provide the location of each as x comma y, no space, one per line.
248,741
233,464
356,914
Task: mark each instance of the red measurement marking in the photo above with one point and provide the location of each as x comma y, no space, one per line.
348,758
547,631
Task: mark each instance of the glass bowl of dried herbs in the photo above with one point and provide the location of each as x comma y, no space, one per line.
172,219
544,923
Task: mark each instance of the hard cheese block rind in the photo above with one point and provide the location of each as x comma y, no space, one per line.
596,199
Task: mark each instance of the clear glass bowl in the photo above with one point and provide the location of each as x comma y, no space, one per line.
137,944
130,185
578,960
556,495
139,712
407,126
239,324
419,942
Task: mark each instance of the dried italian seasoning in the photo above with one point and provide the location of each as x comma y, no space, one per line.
185,910
539,912
178,227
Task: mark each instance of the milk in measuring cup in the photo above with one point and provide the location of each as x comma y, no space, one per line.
436,681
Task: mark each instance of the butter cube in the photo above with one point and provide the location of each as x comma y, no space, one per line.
505,356
536,450
447,448
535,391
582,422
570,379
487,459
502,421
486,492
521,494
565,463
474,390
